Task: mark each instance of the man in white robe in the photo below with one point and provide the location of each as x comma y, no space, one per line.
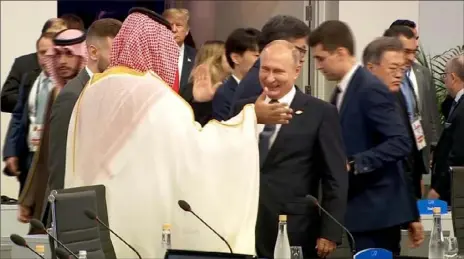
131,132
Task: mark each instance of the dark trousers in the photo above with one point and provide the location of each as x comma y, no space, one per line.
387,238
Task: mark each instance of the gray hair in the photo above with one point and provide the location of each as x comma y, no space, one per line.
456,65
375,50
296,55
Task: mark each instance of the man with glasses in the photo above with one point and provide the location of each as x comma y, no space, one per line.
420,94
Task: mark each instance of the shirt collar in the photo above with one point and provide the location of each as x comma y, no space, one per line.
287,98
236,79
87,69
181,48
459,95
347,78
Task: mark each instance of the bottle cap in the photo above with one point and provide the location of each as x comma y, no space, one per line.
282,217
436,210
166,226
40,249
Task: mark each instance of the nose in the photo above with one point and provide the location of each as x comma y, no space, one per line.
174,28
62,59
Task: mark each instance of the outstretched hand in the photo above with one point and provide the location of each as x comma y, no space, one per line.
203,88
271,113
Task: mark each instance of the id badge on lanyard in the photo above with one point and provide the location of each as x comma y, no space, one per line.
418,131
35,133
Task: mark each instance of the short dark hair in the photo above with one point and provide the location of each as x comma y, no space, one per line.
102,28
399,30
282,27
332,35
241,40
407,23
47,25
375,50
73,21
47,35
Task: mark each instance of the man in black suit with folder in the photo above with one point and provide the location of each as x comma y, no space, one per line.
296,158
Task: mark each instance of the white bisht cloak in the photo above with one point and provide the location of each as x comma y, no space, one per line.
130,132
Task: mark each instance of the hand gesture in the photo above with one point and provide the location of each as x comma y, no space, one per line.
416,234
203,89
275,113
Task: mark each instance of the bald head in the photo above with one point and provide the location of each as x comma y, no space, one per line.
284,48
454,75
279,69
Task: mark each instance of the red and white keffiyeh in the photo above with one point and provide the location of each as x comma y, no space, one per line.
144,44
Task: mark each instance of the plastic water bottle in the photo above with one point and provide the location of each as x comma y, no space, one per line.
82,254
166,237
282,246
436,244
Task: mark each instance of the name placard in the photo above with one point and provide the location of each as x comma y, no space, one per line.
426,206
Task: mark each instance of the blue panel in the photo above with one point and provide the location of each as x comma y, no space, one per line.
373,253
425,206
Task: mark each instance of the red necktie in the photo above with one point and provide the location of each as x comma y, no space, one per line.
175,86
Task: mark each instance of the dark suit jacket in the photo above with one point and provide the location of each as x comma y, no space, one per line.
377,141
449,151
248,87
306,152
223,99
189,58
61,112
16,143
202,111
431,122
10,90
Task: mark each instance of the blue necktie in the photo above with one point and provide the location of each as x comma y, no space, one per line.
453,106
265,140
407,90
42,100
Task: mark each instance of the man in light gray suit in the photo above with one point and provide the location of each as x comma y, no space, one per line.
421,99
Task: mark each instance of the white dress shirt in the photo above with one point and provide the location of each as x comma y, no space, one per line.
343,85
236,79
287,99
180,63
89,72
459,95
32,100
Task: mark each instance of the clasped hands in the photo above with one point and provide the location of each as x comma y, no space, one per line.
266,113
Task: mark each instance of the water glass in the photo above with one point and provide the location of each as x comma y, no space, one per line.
296,252
451,248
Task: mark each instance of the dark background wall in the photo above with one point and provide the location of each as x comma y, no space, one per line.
89,11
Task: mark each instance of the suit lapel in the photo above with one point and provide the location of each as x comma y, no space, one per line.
83,77
350,89
187,65
298,104
420,85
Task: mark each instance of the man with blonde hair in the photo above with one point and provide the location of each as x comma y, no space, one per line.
179,18
141,138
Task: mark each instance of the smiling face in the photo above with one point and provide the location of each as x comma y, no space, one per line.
279,70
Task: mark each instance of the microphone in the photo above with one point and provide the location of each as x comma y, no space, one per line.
37,224
61,253
186,207
20,241
315,201
91,215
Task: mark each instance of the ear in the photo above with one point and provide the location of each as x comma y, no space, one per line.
370,66
236,58
92,52
298,70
